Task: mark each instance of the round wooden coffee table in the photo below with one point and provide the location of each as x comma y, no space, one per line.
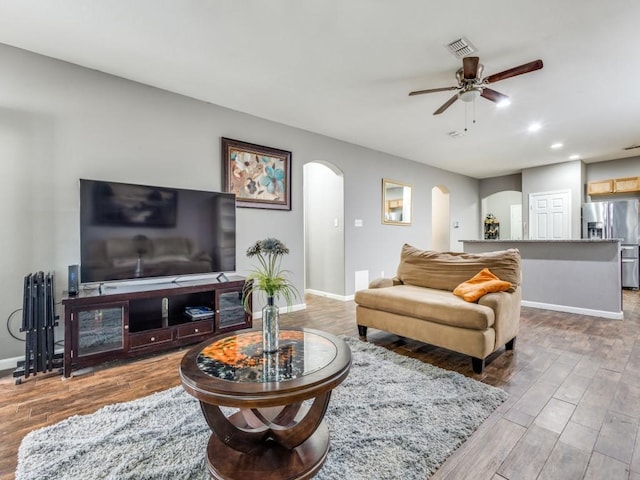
274,428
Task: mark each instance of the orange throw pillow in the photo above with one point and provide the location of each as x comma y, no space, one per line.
482,283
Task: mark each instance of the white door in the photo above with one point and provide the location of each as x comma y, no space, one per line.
550,215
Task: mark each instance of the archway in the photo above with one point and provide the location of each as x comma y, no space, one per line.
324,229
440,219
506,207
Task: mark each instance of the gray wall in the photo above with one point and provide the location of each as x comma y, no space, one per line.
573,176
579,276
60,122
550,178
489,186
622,168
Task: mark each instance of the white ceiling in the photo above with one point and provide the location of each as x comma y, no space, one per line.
343,68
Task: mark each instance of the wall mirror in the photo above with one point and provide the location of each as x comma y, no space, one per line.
396,202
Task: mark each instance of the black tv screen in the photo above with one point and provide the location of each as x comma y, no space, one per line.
132,231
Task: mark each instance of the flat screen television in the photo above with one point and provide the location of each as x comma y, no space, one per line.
132,231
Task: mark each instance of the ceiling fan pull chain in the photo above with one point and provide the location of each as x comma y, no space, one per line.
474,111
466,109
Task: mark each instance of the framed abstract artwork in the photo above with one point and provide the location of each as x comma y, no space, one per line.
259,176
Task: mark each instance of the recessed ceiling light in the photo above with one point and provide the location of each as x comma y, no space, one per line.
503,103
575,156
557,145
534,127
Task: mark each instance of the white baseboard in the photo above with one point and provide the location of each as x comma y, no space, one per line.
294,308
577,310
12,363
332,296
9,363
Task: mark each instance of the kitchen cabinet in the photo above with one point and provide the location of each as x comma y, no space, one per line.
600,188
617,185
625,185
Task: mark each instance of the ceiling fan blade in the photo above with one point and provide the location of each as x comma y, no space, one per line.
432,90
446,105
494,96
512,72
470,67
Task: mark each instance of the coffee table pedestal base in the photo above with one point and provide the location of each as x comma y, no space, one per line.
269,460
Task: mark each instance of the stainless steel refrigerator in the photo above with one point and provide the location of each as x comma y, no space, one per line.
617,219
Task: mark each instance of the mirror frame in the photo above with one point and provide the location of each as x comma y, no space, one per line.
387,184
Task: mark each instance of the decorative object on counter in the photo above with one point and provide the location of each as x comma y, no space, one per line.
270,279
491,227
259,176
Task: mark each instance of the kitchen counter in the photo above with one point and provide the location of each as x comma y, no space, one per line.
577,240
581,276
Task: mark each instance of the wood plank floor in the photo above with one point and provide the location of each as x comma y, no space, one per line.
573,411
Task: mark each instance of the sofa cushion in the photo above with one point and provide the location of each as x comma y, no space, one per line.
482,283
438,306
446,270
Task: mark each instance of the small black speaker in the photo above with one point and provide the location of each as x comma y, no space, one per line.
73,281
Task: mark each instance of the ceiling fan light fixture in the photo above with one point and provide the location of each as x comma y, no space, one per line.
470,95
472,84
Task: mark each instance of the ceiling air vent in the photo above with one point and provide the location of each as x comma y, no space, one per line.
461,47
632,147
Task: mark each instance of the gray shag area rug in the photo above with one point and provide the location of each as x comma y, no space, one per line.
393,417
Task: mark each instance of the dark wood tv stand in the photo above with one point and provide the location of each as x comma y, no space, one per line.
126,321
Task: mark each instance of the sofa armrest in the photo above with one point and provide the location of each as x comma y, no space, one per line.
506,306
381,283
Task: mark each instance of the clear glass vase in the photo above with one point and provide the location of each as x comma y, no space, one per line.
270,328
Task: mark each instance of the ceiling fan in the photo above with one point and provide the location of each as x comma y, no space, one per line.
471,85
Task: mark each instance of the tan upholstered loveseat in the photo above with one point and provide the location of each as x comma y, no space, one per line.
419,303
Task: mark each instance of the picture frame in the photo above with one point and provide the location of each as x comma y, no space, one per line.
396,202
259,176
